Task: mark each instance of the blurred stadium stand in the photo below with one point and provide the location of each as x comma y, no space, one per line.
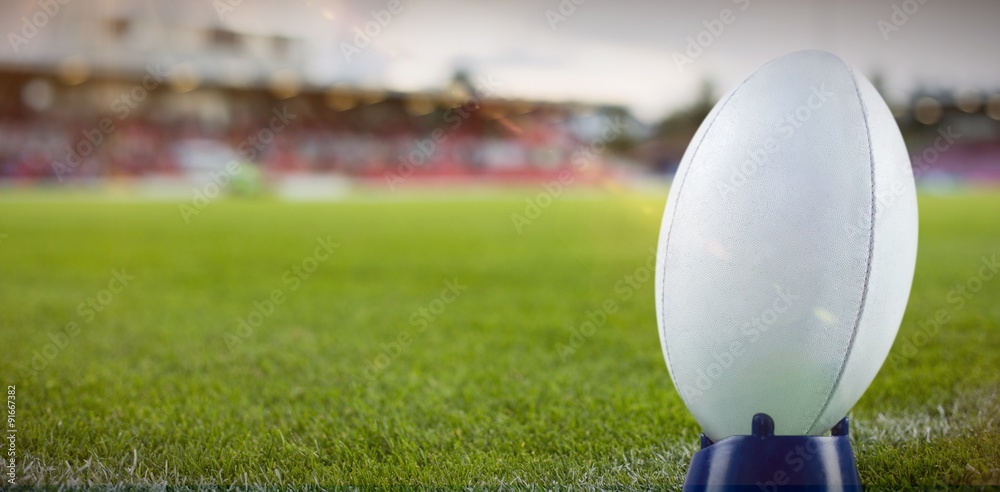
103,92
352,131
198,103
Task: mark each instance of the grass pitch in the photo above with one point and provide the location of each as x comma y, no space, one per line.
424,343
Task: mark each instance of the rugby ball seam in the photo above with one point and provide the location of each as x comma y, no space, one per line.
673,216
871,252
777,297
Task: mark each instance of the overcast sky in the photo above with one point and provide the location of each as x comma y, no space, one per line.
605,50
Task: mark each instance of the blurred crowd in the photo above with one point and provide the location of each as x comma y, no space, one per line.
51,131
286,139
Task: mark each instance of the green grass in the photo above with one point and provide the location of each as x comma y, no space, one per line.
151,390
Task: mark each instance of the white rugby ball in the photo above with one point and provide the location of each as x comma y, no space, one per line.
787,249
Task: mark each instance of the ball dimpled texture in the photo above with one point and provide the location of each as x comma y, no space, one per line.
787,249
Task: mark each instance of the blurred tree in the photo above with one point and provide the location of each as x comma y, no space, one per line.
878,81
623,142
672,135
461,82
686,120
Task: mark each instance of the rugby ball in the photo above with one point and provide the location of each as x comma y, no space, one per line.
787,249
